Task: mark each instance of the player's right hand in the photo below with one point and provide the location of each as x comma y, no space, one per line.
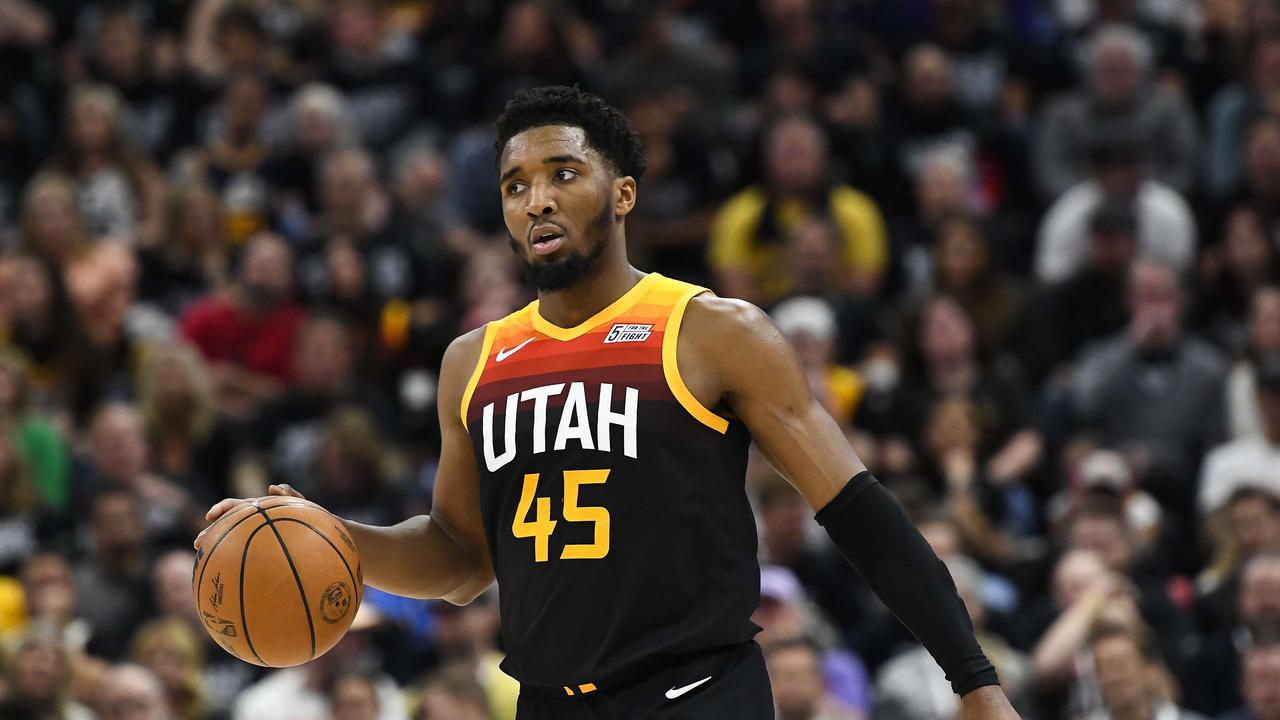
227,505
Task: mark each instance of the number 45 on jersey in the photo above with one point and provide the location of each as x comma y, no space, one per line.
541,527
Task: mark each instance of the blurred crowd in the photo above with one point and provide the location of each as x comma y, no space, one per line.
1028,253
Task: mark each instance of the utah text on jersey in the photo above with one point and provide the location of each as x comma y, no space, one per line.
573,425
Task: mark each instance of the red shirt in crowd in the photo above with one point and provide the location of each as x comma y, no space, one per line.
224,332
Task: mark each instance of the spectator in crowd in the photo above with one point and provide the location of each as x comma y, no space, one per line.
1165,225
1260,685
468,637
1251,460
189,443
946,362
1234,108
1214,677
45,329
102,284
321,123
1100,525
303,692
235,149
354,697
50,602
744,239
225,39
222,676
1248,525
51,224
490,289
120,191
191,259
1153,391
373,67
283,439
247,334
1089,304
41,450
965,267
1260,181
786,613
424,221
927,115
911,685
112,583
172,651
810,325
118,458
355,471
1130,682
134,693
1244,411
1242,265
19,506
1087,595
356,209
39,681
120,56
1104,473
679,176
799,690
1118,92
171,585
453,693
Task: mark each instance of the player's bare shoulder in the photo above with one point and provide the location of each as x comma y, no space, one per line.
459,362
727,327
731,336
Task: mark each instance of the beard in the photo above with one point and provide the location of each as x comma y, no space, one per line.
567,271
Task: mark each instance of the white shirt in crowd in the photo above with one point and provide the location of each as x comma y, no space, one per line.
1246,462
284,695
1166,229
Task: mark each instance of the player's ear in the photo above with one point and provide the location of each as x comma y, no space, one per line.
624,195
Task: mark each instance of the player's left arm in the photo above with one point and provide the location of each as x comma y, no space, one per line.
746,359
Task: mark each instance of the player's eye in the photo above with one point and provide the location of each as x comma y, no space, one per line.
515,188
565,174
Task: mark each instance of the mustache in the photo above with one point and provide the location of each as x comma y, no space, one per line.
544,224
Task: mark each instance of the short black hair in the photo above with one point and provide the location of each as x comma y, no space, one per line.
607,129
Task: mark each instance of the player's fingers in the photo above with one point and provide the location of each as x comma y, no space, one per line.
285,490
221,509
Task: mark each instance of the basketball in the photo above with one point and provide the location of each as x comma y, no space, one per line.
278,581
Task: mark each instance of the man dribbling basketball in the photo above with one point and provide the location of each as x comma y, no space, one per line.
593,456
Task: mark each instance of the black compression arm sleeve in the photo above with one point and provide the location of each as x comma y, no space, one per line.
874,534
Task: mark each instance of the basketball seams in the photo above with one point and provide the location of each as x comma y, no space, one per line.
302,593
357,586
209,557
244,619
203,562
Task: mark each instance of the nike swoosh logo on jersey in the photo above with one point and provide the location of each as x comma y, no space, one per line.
674,693
504,353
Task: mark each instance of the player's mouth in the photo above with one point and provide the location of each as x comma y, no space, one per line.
546,239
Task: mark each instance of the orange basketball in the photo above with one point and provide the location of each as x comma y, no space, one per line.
278,581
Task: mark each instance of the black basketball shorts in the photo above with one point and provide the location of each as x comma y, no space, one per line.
732,685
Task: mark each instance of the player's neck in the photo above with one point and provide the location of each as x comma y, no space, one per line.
610,280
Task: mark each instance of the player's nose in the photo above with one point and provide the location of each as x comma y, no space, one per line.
541,202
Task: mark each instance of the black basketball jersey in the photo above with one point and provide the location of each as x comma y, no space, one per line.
613,502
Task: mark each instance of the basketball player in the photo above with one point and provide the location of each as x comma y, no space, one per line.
594,449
